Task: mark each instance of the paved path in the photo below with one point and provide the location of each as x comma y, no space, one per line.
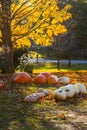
62,61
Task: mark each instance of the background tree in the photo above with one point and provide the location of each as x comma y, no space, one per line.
80,18
74,41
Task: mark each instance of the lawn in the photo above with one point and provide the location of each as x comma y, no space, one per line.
47,114
52,67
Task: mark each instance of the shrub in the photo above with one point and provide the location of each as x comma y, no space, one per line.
26,63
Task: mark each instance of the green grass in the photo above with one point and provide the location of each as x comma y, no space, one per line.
34,54
18,115
50,67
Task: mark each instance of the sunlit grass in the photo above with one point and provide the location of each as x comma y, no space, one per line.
52,68
34,54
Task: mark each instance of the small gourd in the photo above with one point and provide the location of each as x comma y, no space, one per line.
40,79
1,84
81,87
64,80
46,74
77,91
22,78
60,94
52,79
35,97
70,91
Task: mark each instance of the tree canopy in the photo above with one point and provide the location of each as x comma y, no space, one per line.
37,20
23,21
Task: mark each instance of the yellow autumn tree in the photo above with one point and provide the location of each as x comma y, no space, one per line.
26,20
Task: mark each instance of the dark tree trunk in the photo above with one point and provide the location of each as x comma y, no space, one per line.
69,63
6,35
58,64
37,58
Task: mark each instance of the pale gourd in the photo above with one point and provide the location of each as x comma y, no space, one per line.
60,94
35,97
70,90
40,90
64,80
81,87
77,91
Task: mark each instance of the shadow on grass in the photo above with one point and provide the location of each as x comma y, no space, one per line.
18,115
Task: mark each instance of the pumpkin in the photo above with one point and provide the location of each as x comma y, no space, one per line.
40,79
46,92
64,80
40,90
15,75
1,83
35,97
22,78
60,94
70,90
81,87
77,91
52,79
46,74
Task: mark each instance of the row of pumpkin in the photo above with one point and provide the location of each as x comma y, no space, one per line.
41,78
67,91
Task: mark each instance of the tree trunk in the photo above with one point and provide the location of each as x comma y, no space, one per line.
6,35
37,58
69,63
58,64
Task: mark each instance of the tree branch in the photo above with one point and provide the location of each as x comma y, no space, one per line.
19,9
28,14
34,27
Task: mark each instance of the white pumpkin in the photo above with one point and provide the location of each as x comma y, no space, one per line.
60,94
70,90
45,91
40,90
34,97
64,80
77,91
81,88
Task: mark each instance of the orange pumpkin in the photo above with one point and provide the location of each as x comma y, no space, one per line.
46,74
1,83
40,79
52,79
23,77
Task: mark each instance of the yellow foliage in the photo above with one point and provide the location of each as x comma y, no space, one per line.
49,32
23,42
38,20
